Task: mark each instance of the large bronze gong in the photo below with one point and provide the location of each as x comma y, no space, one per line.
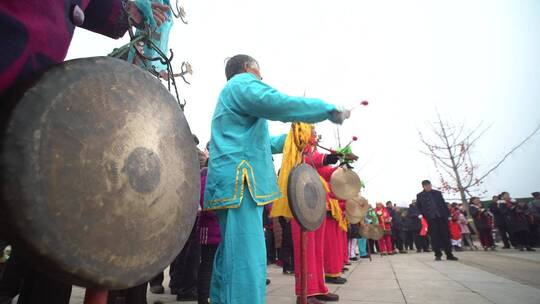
99,172
307,198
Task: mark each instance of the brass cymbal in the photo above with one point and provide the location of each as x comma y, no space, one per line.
345,183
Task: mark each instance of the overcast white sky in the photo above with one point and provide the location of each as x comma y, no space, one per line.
469,60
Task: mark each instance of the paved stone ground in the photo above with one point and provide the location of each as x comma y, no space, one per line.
479,277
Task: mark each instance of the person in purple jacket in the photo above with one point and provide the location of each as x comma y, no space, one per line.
36,33
210,237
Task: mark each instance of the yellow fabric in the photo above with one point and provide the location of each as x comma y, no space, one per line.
296,141
344,223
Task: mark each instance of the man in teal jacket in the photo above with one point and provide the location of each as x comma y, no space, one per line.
241,176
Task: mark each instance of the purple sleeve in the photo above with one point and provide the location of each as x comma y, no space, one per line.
106,17
203,187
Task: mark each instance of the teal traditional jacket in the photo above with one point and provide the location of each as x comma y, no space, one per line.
241,147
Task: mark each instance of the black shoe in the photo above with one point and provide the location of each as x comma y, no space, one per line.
438,258
364,256
329,297
427,250
418,250
337,280
530,249
402,251
344,269
201,300
188,296
451,258
157,289
268,282
310,300
354,259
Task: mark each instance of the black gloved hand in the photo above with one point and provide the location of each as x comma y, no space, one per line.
330,159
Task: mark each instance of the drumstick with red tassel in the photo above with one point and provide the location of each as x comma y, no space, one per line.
354,138
362,103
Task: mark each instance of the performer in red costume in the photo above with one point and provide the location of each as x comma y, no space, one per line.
316,288
335,239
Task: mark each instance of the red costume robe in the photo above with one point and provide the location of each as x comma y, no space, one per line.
315,265
335,239
344,236
385,220
315,242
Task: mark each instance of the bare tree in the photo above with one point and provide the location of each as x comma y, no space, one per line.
451,153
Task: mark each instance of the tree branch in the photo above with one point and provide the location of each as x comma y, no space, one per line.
449,173
439,158
469,144
471,175
509,153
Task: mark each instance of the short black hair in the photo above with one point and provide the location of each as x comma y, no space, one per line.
502,194
426,182
535,194
235,65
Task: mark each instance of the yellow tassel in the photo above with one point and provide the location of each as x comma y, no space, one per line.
335,210
296,141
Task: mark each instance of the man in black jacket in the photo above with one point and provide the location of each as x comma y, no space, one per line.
433,208
500,213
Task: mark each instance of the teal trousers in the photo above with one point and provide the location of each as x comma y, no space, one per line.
362,247
239,274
